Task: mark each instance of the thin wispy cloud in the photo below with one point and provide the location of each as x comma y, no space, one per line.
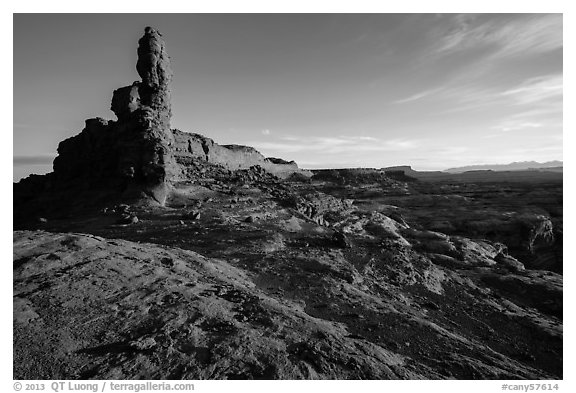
417,96
537,89
536,34
517,35
266,132
480,46
516,126
533,99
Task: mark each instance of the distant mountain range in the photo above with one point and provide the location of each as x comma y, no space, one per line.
515,166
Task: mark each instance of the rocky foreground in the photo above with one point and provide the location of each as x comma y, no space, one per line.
90,307
259,278
159,254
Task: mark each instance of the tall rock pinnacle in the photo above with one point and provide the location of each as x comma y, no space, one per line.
134,152
153,64
152,94
149,101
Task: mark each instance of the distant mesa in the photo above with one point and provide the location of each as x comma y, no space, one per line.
524,171
406,173
514,166
139,156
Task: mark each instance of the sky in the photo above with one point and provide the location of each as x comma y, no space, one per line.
432,91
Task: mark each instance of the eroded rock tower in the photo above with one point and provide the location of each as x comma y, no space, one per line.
134,152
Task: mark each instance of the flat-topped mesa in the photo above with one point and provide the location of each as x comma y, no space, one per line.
189,146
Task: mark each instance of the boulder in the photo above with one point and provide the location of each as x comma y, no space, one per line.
341,240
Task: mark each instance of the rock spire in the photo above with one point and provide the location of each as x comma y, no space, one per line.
133,153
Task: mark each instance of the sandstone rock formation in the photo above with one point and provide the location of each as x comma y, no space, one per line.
134,152
138,156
